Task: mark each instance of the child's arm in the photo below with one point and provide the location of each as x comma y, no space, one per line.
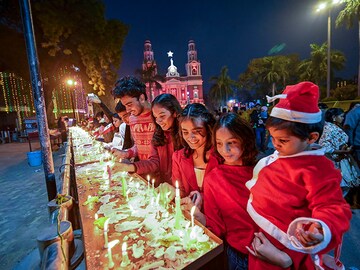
309,234
264,250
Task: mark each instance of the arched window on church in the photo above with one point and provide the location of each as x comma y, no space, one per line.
194,70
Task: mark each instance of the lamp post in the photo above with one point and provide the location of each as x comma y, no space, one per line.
71,83
328,6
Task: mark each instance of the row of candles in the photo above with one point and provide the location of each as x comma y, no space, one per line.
109,245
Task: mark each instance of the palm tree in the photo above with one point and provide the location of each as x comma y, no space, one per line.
150,77
277,70
315,68
347,16
222,87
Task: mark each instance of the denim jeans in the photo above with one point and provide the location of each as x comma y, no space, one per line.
260,133
235,260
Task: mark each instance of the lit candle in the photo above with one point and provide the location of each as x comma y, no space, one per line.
125,258
124,186
96,216
177,190
148,181
178,213
111,245
192,215
106,233
158,199
153,183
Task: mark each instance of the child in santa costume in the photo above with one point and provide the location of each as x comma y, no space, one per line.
295,194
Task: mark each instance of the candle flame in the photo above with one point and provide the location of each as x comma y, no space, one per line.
96,216
153,181
148,178
177,184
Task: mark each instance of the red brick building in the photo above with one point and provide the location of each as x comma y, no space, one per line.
188,88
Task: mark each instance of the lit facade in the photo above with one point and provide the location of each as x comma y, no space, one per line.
187,89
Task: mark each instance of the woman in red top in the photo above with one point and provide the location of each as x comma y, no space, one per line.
190,164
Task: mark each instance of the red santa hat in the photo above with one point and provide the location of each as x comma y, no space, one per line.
298,103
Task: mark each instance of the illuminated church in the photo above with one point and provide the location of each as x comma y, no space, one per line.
188,88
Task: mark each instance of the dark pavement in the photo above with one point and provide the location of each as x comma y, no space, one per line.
24,213
23,202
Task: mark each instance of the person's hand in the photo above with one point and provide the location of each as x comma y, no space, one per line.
165,188
263,249
309,233
94,98
124,167
196,198
186,203
120,153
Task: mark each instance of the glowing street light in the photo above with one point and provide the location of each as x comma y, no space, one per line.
71,82
328,6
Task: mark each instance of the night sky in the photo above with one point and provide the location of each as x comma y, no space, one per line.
227,32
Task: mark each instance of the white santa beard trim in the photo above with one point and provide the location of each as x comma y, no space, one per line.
288,240
294,116
259,166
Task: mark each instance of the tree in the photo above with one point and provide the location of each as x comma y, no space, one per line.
221,88
270,72
277,70
150,77
85,40
315,68
347,16
347,92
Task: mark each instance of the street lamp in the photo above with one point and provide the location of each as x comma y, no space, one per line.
328,6
71,83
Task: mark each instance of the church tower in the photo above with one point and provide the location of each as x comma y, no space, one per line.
193,72
193,65
149,68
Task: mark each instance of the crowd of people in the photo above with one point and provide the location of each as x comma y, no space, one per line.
284,211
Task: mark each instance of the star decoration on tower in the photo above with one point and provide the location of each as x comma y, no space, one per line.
170,54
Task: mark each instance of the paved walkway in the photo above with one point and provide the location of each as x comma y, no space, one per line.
23,202
24,213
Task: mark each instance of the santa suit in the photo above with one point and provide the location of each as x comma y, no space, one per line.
225,199
286,190
183,171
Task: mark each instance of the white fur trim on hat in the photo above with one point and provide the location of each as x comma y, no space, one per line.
294,116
